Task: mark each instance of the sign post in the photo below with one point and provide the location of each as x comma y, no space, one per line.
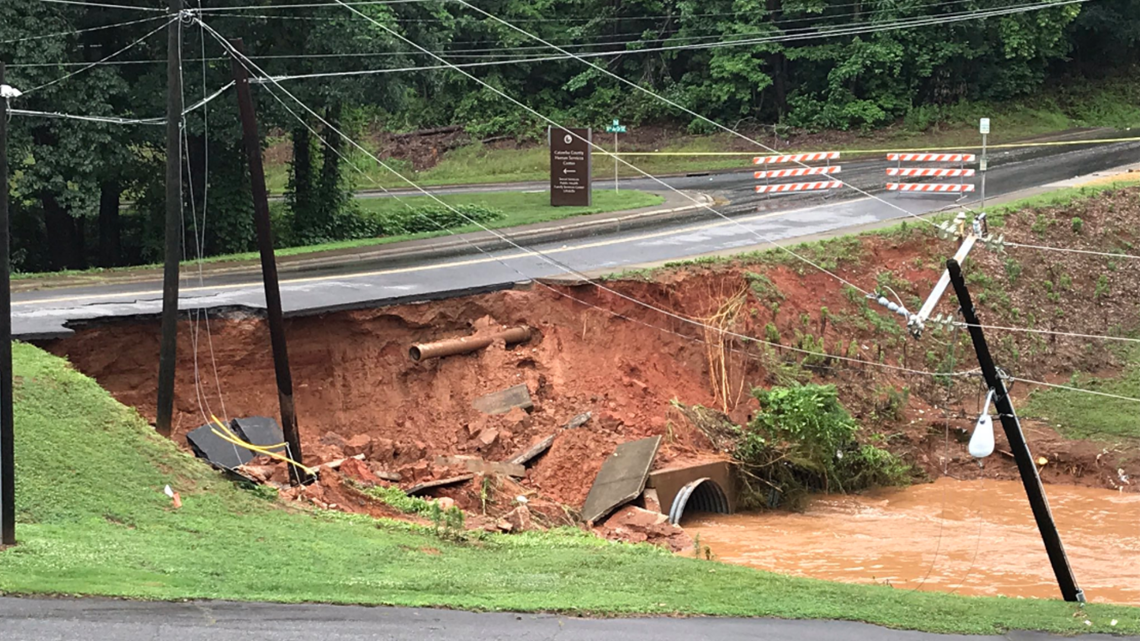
984,127
615,129
570,168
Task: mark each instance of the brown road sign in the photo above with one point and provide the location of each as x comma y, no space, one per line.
570,168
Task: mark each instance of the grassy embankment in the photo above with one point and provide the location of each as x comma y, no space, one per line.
520,208
93,521
1108,103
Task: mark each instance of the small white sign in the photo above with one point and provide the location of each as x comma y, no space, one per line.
982,165
985,126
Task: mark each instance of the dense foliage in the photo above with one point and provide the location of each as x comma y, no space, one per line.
89,193
802,440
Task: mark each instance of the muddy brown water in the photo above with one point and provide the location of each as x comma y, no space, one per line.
968,537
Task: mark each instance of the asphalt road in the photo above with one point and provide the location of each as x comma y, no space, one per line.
104,620
752,222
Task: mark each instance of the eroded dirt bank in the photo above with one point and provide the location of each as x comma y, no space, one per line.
357,391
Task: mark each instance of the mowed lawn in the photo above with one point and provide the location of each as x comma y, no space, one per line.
93,521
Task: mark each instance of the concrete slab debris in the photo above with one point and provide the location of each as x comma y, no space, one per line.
538,448
578,421
477,465
503,401
420,488
621,479
533,451
218,452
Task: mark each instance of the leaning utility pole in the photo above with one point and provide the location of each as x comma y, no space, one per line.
1012,427
168,347
7,432
268,262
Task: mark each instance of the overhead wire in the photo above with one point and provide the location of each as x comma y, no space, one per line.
673,315
62,34
525,107
101,61
104,5
116,120
601,149
1079,390
710,121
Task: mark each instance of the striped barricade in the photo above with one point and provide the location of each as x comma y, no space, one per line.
786,188
931,157
793,187
961,172
937,187
812,157
928,172
802,171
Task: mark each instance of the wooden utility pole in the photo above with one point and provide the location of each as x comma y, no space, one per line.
168,347
252,145
1012,427
7,432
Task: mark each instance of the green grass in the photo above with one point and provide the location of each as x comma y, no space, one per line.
93,521
1076,103
521,208
1084,416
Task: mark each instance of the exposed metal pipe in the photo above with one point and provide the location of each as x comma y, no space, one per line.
467,344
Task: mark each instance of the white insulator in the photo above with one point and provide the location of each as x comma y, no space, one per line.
883,301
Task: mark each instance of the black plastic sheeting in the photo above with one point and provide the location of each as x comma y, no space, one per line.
256,430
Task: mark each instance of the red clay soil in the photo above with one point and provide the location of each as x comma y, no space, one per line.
357,390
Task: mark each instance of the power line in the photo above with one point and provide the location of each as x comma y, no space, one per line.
1076,389
99,62
113,120
255,69
1028,330
116,120
536,113
310,5
62,34
701,117
1072,251
101,5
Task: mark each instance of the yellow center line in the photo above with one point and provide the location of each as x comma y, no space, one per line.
422,268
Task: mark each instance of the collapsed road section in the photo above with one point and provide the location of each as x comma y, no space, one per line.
509,404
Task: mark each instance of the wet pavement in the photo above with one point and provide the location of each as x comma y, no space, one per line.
749,222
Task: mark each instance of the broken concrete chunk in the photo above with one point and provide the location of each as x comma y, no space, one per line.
420,488
480,466
578,421
533,451
358,470
359,444
519,519
503,401
652,502
488,437
621,479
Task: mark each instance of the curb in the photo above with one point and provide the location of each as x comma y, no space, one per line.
421,249
474,242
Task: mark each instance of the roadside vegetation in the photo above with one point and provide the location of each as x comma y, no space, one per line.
1103,103
1094,417
93,520
381,221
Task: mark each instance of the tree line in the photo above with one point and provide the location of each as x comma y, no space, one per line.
90,194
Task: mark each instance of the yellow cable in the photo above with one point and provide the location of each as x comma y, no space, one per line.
231,438
1013,145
